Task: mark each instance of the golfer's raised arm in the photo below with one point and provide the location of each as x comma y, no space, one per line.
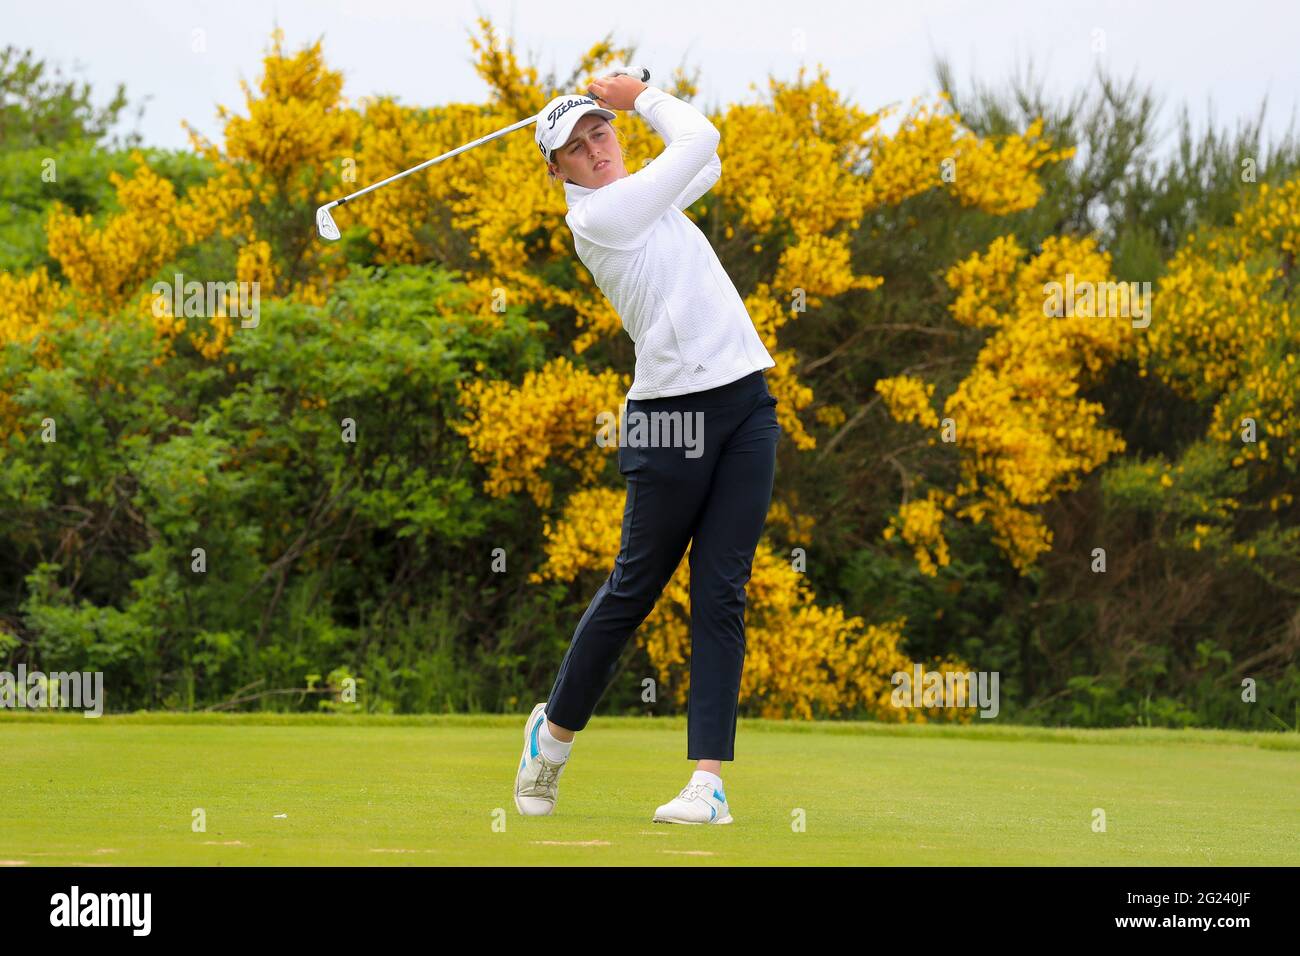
621,214
703,180
701,184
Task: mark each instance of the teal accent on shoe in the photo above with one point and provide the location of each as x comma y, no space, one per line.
534,747
522,764
712,813
717,795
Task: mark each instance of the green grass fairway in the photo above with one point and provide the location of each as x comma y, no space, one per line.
428,790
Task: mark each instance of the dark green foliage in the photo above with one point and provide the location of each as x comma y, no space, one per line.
319,552
39,107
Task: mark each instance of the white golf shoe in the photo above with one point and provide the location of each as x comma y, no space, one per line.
537,781
697,803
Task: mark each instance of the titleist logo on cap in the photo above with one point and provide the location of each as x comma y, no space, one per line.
567,105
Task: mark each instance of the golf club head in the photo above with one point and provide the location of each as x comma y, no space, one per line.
325,224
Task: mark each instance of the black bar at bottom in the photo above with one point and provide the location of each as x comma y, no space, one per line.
321,903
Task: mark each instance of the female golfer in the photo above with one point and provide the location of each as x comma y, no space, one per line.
698,356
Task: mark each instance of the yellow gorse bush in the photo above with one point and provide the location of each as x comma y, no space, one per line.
920,524
931,150
293,151
108,264
908,400
550,419
1022,435
28,306
1228,334
297,122
286,154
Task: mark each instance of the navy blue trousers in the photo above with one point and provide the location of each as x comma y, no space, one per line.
712,494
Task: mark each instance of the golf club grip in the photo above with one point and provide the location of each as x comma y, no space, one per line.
640,72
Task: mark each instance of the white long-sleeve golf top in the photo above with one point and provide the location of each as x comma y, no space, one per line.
689,324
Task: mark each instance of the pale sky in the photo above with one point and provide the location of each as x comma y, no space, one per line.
877,53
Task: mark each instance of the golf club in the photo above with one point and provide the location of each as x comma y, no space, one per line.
325,225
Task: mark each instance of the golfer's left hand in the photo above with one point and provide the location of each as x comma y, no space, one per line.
616,92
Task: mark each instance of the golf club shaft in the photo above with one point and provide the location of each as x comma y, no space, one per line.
437,159
327,229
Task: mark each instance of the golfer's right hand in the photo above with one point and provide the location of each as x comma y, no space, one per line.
616,92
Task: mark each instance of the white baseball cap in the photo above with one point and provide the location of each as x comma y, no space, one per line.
556,121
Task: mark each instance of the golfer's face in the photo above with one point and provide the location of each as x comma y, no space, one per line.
592,156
